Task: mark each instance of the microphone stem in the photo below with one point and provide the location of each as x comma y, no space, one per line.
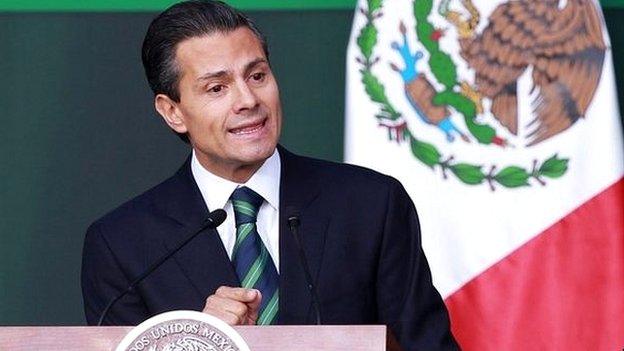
210,222
293,223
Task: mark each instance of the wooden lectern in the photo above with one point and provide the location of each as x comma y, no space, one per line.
266,338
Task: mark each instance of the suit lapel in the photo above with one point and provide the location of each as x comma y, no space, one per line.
298,194
206,263
204,260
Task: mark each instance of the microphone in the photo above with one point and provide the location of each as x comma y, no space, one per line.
293,224
215,218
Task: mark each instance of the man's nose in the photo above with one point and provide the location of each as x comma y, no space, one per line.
245,99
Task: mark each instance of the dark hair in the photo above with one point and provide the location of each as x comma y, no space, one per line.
183,21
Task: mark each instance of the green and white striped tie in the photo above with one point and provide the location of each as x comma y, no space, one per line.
252,260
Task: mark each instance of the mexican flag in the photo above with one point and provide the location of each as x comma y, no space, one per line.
500,119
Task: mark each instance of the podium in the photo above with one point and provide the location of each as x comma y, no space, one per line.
265,338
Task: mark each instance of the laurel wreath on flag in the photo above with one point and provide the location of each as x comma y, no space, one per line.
470,174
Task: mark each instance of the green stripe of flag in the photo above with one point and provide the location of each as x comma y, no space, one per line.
270,311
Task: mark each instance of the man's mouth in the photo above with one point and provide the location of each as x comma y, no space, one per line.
249,128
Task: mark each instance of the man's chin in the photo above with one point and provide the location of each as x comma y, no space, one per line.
255,155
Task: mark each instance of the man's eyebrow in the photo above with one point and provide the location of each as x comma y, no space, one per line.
219,74
210,75
254,63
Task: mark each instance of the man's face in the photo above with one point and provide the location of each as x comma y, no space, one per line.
229,102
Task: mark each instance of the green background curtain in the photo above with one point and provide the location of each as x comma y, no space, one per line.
155,5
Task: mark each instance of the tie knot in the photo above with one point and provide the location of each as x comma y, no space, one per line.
246,203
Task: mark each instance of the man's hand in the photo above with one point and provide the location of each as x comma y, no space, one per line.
235,306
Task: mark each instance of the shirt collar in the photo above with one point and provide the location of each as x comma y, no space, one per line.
216,191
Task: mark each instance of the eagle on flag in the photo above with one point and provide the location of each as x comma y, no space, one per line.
560,40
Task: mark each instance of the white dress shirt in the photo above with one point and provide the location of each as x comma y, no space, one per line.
216,192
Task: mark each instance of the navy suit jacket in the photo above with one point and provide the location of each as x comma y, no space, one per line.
359,230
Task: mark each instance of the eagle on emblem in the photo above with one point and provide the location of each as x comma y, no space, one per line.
561,40
188,343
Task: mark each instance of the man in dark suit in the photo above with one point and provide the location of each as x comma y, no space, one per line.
208,67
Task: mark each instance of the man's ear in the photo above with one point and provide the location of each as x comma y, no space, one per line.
170,112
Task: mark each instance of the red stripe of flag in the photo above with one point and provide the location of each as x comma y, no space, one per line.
562,290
